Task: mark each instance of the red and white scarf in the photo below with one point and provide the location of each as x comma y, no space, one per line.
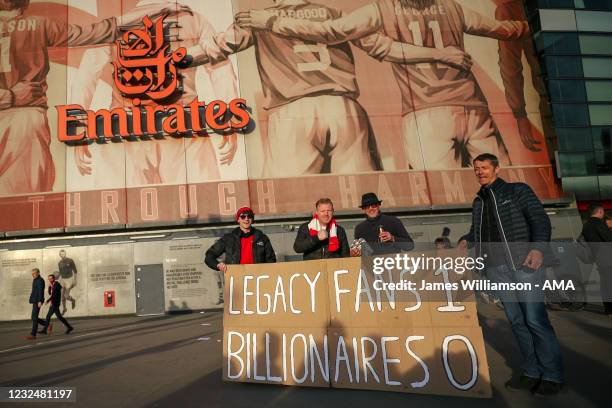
314,226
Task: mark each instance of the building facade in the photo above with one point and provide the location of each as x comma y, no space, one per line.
574,42
131,131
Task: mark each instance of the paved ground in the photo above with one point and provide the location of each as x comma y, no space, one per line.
166,361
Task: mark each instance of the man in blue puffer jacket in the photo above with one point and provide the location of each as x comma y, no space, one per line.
511,230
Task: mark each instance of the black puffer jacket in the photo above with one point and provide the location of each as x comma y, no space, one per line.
230,245
596,232
521,219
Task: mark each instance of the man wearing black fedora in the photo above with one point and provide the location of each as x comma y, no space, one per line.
384,233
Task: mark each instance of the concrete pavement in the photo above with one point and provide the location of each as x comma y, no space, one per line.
175,361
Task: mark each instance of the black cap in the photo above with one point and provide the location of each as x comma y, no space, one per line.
369,199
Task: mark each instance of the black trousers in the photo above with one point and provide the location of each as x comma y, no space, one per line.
53,309
35,319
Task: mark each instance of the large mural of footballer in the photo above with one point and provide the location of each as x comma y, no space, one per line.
167,161
511,70
26,163
446,118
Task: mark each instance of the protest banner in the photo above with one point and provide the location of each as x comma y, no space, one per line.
328,323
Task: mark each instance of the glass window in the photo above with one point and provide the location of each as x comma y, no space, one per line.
603,162
559,67
577,164
596,44
566,90
602,138
558,20
599,91
558,43
605,186
570,114
597,67
556,3
594,4
574,139
601,115
585,188
594,21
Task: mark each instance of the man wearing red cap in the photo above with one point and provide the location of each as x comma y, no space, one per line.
243,245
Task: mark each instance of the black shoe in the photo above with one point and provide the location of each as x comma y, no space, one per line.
546,388
522,383
69,330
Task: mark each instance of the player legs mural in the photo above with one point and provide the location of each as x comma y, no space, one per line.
446,137
26,164
322,134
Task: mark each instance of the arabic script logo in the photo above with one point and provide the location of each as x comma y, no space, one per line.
145,65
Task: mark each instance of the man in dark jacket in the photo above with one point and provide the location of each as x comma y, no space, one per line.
55,298
243,245
383,233
599,236
322,237
37,297
512,231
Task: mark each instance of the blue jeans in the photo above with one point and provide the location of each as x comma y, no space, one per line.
527,315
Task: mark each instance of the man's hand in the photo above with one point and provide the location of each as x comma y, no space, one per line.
26,92
257,19
82,157
462,245
222,267
529,141
40,304
322,234
455,57
534,259
355,251
386,236
228,148
153,11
